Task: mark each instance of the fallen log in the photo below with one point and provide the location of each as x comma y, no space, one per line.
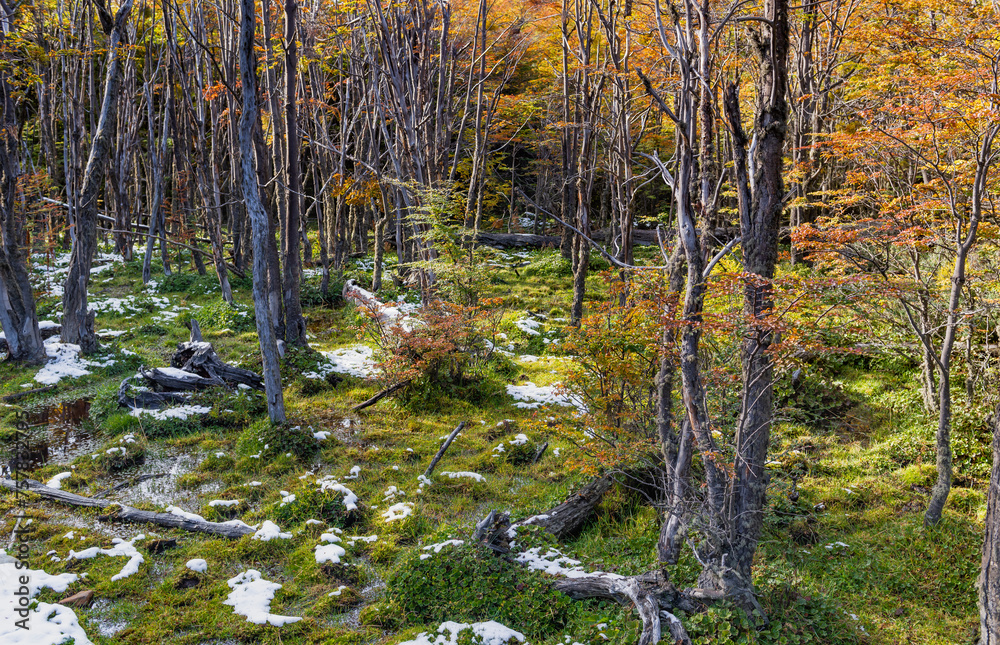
145,399
652,595
17,396
200,358
173,379
568,518
127,513
381,395
444,447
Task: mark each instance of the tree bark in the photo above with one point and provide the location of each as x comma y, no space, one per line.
78,320
295,324
760,222
989,574
18,317
258,218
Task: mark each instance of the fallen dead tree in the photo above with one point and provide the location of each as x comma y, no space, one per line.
194,366
568,518
124,513
653,597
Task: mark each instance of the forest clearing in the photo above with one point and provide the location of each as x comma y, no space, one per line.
441,323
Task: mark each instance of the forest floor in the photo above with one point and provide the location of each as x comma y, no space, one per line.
848,562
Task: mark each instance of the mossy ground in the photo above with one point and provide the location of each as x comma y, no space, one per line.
861,479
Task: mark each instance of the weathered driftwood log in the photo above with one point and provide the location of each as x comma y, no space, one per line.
200,358
381,395
129,514
569,517
146,399
652,595
173,379
444,447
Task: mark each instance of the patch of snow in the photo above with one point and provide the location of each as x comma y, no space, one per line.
224,502
47,623
398,511
197,565
121,548
355,360
251,596
554,562
179,412
269,531
486,633
530,396
465,474
56,482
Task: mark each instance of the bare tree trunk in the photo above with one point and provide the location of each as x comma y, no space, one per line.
760,220
78,320
258,218
989,574
295,324
17,301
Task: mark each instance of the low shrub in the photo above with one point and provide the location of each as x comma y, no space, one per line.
265,440
468,582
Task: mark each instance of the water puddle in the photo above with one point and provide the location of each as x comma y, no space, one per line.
57,435
161,490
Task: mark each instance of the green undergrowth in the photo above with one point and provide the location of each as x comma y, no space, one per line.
844,557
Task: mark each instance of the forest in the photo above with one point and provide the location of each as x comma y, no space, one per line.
480,322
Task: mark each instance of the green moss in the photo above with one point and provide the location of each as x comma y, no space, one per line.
470,583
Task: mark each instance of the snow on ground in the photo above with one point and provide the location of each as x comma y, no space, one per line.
529,326
64,362
251,596
197,565
56,482
329,552
530,396
463,474
224,502
269,531
355,360
178,412
398,511
330,483
436,548
47,624
554,562
486,633
121,548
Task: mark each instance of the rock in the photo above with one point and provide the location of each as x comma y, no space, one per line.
79,599
157,547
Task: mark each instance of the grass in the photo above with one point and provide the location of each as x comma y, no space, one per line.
859,475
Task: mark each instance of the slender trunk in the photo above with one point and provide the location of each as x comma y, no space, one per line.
295,324
989,574
18,318
258,218
78,320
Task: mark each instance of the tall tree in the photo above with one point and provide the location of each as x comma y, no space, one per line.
255,209
18,318
78,320
295,324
